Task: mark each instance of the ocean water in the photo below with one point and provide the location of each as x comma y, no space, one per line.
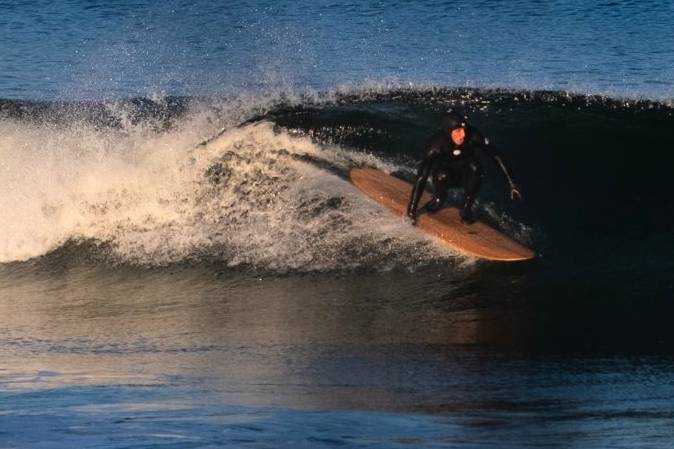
183,262
92,49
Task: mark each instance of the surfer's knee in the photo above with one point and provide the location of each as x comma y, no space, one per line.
440,180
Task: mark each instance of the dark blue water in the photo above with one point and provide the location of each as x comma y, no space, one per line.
183,262
74,50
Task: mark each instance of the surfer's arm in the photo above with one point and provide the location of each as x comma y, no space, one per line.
489,149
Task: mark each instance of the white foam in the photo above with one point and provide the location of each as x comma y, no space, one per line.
155,198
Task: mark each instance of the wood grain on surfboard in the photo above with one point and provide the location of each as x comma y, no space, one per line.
476,240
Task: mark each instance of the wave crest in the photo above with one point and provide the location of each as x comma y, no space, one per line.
247,197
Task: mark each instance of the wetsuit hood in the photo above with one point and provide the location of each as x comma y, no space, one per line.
453,120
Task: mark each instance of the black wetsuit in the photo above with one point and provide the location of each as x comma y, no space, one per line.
452,165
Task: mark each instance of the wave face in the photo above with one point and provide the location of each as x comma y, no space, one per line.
257,185
131,179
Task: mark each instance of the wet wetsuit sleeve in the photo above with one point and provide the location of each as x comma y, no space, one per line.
491,151
423,172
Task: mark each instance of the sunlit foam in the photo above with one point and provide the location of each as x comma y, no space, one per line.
244,198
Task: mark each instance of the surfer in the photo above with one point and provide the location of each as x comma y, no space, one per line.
451,159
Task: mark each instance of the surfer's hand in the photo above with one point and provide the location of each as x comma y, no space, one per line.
515,193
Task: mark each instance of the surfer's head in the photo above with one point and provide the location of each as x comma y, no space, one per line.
458,135
456,124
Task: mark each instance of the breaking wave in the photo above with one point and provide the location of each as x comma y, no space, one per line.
260,181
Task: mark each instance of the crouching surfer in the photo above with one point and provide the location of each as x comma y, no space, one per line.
451,159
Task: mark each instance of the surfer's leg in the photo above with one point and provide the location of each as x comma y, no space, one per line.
472,180
440,186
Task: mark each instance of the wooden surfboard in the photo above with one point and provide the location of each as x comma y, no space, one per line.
476,240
